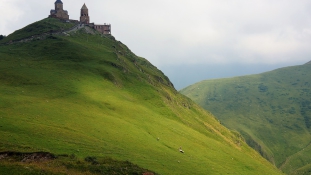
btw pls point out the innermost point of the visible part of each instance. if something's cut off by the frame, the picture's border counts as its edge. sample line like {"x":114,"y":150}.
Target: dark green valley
{"x":271,"y":110}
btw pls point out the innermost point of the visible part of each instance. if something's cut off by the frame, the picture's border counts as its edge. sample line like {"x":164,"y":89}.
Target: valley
{"x":271,"y":110}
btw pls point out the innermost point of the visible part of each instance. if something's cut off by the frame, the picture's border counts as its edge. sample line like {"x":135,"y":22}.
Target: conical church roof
{"x":58,"y":2}
{"x":84,"y":7}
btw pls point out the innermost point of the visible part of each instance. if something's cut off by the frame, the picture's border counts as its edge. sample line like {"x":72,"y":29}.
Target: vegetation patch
{"x":12,"y":163}
{"x":2,"y":37}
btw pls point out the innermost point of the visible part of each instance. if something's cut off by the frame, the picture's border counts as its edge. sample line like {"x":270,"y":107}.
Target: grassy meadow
{"x":90,"y":96}
{"x":271,"y":110}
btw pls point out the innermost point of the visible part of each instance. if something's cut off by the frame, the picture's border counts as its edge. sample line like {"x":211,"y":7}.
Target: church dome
{"x":58,"y":2}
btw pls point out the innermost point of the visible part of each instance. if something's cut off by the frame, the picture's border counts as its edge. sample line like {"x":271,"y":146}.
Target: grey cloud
{"x":191,"y":32}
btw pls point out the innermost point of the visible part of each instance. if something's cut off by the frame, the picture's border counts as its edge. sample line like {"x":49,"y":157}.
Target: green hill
{"x":271,"y":110}
{"x":88,"y":96}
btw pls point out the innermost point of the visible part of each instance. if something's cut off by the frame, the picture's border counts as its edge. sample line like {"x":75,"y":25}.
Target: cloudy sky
{"x":192,"y":40}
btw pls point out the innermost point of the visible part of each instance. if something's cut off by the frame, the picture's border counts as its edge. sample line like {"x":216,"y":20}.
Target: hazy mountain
{"x":271,"y":110}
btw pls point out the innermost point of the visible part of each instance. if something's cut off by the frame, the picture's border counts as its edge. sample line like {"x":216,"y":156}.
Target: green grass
{"x":271,"y":110}
{"x":89,"y":95}
{"x":48,"y":25}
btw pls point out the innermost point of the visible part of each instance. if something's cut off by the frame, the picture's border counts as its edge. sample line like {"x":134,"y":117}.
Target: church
{"x":62,"y":14}
{"x":59,"y":12}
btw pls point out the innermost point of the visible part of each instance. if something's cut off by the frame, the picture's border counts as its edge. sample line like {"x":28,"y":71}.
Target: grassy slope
{"x":271,"y":110}
{"x":47,"y":26}
{"x":91,"y":96}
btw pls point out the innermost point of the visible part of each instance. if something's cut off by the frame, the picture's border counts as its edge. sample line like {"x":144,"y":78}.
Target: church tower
{"x":84,"y":18}
{"x":59,"y":5}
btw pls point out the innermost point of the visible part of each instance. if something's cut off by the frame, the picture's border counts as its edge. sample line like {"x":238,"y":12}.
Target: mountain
{"x":271,"y":110}
{"x":69,"y":92}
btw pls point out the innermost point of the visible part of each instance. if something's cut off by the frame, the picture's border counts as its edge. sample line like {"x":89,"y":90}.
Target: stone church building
{"x":60,"y":13}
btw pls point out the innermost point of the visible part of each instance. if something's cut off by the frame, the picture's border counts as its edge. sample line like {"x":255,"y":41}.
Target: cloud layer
{"x":191,"y":32}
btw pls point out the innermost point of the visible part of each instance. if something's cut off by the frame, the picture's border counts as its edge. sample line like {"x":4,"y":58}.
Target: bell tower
{"x":84,"y":17}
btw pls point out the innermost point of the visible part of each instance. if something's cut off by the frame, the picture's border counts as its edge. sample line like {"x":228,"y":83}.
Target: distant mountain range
{"x":271,"y":110}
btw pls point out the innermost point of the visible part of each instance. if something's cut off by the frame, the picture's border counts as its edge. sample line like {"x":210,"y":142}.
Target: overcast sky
{"x":192,"y":40}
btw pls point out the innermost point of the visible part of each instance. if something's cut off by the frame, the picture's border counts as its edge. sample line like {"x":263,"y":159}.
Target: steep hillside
{"x":271,"y":110}
{"x":87,"y":95}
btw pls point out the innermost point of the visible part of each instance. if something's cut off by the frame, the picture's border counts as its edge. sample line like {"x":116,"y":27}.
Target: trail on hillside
{"x":60,"y":32}
{"x":289,"y":157}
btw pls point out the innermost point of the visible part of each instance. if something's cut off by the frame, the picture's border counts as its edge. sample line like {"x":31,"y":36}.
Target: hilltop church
{"x":60,"y":13}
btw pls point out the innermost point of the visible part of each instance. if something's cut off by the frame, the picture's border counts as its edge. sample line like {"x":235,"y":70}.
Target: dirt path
{"x":45,"y":35}
{"x":75,"y":28}
{"x":288,"y":158}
